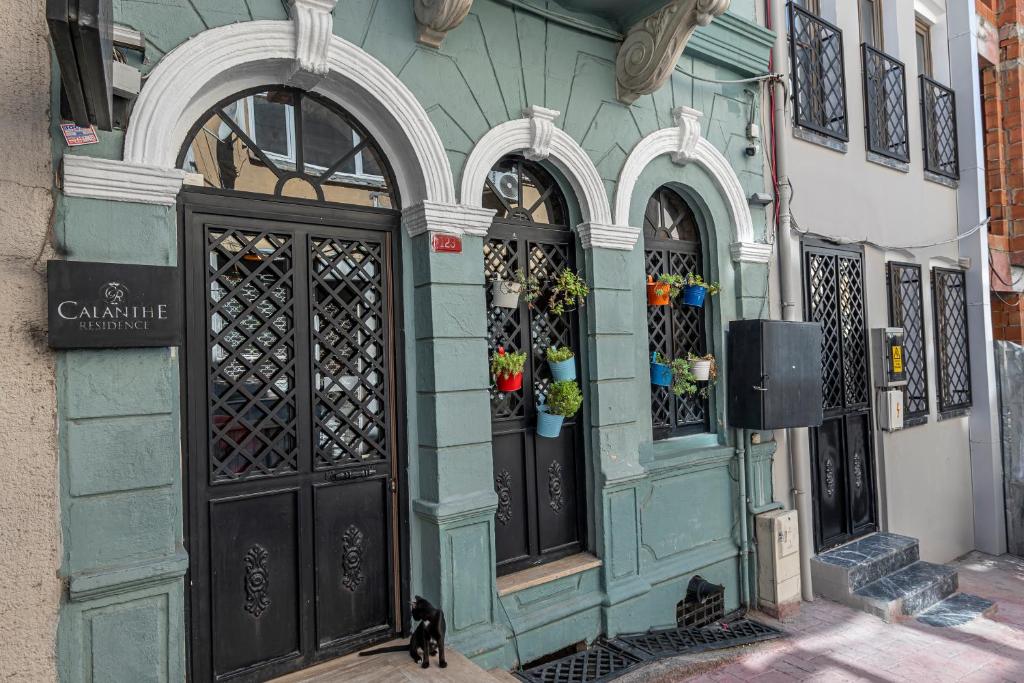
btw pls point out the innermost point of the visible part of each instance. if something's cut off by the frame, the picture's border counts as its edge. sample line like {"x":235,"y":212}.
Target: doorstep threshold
{"x":546,"y":573}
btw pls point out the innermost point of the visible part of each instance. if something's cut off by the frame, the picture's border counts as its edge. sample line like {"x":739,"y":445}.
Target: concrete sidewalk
{"x":831,"y":642}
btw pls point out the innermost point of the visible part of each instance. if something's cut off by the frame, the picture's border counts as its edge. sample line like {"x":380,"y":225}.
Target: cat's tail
{"x":384,"y":650}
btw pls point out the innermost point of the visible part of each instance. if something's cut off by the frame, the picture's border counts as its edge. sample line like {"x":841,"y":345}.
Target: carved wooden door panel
{"x":291,"y":399}
{"x":842,"y":456}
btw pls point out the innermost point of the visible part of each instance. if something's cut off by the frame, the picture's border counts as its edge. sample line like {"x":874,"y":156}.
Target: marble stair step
{"x":908,"y":591}
{"x":839,"y":573}
{"x":957,"y":610}
{"x":503,"y":676}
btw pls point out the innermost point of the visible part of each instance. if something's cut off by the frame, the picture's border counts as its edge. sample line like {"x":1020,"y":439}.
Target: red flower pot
{"x":509,"y":383}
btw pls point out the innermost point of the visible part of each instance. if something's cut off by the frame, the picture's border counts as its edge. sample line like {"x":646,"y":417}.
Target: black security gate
{"x":538,"y":480}
{"x":292,"y":443}
{"x":842,"y":457}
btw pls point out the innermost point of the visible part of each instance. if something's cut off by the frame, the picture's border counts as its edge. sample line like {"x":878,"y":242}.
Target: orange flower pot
{"x":657,"y":292}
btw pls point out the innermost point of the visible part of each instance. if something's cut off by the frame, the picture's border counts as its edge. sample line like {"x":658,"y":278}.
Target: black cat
{"x":428,"y":638}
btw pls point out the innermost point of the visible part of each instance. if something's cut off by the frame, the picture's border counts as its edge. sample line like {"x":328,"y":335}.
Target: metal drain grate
{"x":676,"y":641}
{"x":601,"y":662}
{"x":607,"y":660}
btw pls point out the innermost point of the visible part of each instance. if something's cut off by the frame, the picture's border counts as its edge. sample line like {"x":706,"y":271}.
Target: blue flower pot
{"x":693,"y":295}
{"x":564,"y":370}
{"x":549,"y":426}
{"x":661,"y":374}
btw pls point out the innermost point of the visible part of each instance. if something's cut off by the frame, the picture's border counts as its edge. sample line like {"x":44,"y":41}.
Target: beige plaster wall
{"x":29,"y":521}
{"x":924,"y":478}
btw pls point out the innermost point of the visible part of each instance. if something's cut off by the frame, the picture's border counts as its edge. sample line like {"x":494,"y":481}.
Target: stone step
{"x":503,"y":676}
{"x":906,"y":592}
{"x":838,"y":573}
{"x":957,"y":610}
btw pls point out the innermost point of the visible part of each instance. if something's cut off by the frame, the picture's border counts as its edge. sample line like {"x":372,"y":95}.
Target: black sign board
{"x":113,"y":305}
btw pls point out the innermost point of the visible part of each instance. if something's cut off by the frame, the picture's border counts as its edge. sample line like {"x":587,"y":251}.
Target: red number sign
{"x":444,"y":243}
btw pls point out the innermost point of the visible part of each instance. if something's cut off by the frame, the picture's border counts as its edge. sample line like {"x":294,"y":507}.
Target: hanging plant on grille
{"x":705,"y":369}
{"x":683,"y":380}
{"x":695,"y":290}
{"x":507,"y":369}
{"x":568,"y":292}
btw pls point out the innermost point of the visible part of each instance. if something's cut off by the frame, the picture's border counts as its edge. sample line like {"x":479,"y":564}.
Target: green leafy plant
{"x":507,"y":364}
{"x":558,"y":354}
{"x":564,"y":398}
{"x":531,"y":287}
{"x":675,"y":283}
{"x":683,"y":381}
{"x":567,"y":292}
{"x":695,"y":280}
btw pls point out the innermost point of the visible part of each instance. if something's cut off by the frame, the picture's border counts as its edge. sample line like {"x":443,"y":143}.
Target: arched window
{"x":539,"y":481}
{"x":672,"y":245}
{"x":287,"y":143}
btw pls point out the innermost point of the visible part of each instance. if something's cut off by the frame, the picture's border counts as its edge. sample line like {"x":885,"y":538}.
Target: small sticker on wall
{"x":76,"y":135}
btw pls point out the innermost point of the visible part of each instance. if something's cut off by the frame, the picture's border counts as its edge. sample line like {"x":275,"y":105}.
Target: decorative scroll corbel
{"x":314,"y":26}
{"x":688,"y":121}
{"x":653,"y":45}
{"x":436,"y":18}
{"x":542,"y":131}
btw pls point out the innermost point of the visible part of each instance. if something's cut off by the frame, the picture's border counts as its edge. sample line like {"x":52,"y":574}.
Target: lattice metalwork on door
{"x":885,"y":92}
{"x":949,"y":295}
{"x":672,"y":246}
{"x":938,"y":115}
{"x":350,"y":355}
{"x":251,"y":362}
{"x":835,"y":298}
{"x":906,"y":310}
{"x":819,"y":78}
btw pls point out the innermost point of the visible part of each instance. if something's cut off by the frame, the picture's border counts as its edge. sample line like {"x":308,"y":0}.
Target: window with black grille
{"x":953,"y":358}
{"x":819,"y":78}
{"x":539,"y":481}
{"x":885,"y":104}
{"x":938,"y":116}
{"x":672,"y":246}
{"x":906,"y":310}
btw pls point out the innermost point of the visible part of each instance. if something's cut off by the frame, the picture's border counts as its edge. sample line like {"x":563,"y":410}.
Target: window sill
{"x":915,"y":421}
{"x":953,"y":414}
{"x":941,"y":180}
{"x":683,"y":451}
{"x":546,"y":573}
{"x":894,"y":164}
{"x":819,"y":139}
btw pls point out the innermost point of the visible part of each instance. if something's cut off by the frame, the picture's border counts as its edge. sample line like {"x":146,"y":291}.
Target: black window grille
{"x":949,"y":299}
{"x":538,"y":480}
{"x":819,"y":78}
{"x":885,"y":104}
{"x":672,"y":246}
{"x":938,"y":114}
{"x":906,"y":310}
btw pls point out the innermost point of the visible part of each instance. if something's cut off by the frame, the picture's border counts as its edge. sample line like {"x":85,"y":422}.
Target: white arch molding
{"x":686,"y":144}
{"x":536,"y":136}
{"x":220,"y":62}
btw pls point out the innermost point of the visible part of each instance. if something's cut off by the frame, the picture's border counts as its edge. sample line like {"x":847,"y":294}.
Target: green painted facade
{"x":658,"y":512}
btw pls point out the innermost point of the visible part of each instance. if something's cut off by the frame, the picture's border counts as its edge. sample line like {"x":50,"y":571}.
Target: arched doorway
{"x":293,"y":392}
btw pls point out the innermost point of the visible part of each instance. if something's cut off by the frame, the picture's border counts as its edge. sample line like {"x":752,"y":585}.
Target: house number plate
{"x":445,"y":243}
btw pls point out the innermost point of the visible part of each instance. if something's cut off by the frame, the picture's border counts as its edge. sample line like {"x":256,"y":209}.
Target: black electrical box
{"x":774,"y":370}
{"x":82,"y":34}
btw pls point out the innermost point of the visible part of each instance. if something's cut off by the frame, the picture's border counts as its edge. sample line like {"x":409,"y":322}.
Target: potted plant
{"x":507,"y":293}
{"x":705,"y":369}
{"x":562,"y":362}
{"x":563,"y":399}
{"x":507,"y":369}
{"x":568,"y":292}
{"x":696,"y":289}
{"x":666,"y":288}
{"x":676,"y":374}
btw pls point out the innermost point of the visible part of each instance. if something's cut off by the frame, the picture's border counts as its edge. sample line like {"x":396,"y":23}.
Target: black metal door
{"x":842,"y":457}
{"x":292,"y":442}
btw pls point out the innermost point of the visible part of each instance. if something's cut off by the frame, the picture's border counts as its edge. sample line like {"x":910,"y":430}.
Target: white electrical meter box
{"x":887,"y":348}
{"x":890,"y":410}
{"x":778,"y":563}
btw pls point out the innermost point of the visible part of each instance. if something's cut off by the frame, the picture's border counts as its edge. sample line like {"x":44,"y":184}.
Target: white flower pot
{"x":701,"y":370}
{"x":505,"y":293}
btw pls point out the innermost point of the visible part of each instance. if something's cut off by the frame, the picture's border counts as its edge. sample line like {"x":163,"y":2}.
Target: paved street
{"x":831,"y":642}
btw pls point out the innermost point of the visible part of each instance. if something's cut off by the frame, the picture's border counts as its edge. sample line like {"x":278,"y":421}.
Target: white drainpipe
{"x":797,"y":440}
